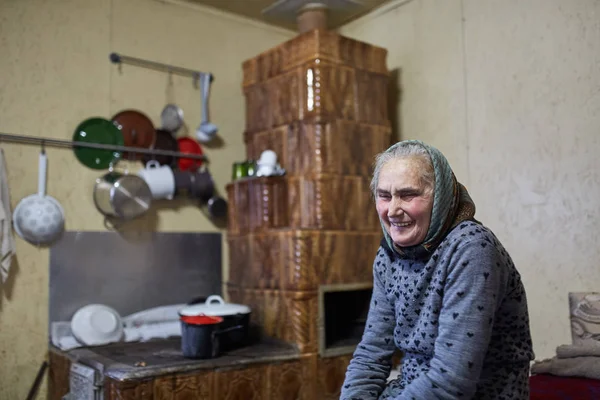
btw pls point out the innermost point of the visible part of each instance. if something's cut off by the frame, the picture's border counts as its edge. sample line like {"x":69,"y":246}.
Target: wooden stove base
{"x":301,"y":260}
{"x":308,"y":378}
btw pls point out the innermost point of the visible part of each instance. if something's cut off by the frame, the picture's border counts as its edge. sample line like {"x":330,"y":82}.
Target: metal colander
{"x":39,"y":219}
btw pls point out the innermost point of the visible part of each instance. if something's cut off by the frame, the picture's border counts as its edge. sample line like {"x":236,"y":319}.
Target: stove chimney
{"x":311,"y":14}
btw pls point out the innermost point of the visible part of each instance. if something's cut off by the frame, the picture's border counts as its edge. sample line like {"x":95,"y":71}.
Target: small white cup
{"x":160,"y":179}
{"x":268,"y":157}
{"x":267,"y":163}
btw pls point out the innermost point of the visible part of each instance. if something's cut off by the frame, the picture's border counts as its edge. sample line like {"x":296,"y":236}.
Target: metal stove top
{"x":124,"y":361}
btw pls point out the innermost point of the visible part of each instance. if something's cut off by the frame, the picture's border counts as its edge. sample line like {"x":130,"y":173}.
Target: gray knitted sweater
{"x":459,"y":317}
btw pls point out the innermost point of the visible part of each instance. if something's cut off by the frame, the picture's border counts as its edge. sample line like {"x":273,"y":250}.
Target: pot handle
{"x":112,"y":224}
{"x":152,"y":164}
{"x":232,"y":328}
{"x":215,"y":298}
{"x":42,"y":168}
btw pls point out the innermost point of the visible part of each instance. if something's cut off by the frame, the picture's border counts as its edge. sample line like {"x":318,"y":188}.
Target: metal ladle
{"x":206,"y":131}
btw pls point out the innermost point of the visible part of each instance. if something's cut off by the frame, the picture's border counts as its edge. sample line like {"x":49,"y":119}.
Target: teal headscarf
{"x":451,"y":202}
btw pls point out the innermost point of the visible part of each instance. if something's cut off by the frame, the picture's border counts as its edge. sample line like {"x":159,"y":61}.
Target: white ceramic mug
{"x":267,"y":163}
{"x":160,"y":179}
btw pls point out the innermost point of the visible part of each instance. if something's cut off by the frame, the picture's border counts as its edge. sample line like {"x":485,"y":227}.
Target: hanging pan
{"x":137,"y":130}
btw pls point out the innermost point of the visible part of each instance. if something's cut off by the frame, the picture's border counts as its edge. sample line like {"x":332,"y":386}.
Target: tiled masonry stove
{"x":301,"y":246}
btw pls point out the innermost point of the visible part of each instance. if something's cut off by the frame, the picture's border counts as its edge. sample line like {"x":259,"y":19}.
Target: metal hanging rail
{"x":116,"y":58}
{"x":36,"y":140}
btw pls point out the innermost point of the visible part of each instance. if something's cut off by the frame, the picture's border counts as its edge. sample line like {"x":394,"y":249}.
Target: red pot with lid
{"x":235,"y":324}
{"x":200,"y":336}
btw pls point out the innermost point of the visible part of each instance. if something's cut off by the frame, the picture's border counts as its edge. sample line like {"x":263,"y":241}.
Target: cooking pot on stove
{"x":201,"y":336}
{"x":234,"y":315}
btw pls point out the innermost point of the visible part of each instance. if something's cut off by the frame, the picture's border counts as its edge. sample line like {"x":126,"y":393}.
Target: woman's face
{"x":403,"y":201}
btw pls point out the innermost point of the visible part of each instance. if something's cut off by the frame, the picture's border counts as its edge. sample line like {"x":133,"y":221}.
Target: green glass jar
{"x":251,"y":167}
{"x":240,"y":171}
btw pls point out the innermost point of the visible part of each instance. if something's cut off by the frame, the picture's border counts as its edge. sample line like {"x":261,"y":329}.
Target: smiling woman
{"x":404,"y":200}
{"x":445,"y":292}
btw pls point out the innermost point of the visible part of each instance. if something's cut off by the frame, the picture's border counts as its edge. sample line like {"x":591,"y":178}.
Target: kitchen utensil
{"x":137,"y":130}
{"x":198,"y":184}
{"x":160,"y":179}
{"x":183,"y":182}
{"x":201,"y":336}
{"x":38,"y":218}
{"x":100,"y":131}
{"x":188,"y":145}
{"x":157,"y":330}
{"x":206,"y":131}
{"x":217,"y":207}
{"x":123,"y":196}
{"x":198,"y":338}
{"x":97,"y":324}
{"x":164,"y":141}
{"x":202,"y":185}
{"x":154,"y":315}
{"x":233,"y":315}
{"x":171,"y":118}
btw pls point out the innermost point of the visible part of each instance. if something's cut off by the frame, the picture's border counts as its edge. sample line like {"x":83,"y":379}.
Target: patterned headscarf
{"x":451,"y":203}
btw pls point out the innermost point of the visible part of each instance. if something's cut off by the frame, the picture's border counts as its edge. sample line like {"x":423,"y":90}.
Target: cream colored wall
{"x":425,"y":52}
{"x":510,"y":92}
{"x":55,"y":73}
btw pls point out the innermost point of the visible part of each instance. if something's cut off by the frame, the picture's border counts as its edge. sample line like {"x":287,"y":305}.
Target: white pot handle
{"x":152,"y":164}
{"x":214,"y":298}
{"x":43,"y":166}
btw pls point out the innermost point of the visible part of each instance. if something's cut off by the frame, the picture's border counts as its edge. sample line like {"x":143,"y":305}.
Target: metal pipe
{"x":118,"y":58}
{"x":70,"y":144}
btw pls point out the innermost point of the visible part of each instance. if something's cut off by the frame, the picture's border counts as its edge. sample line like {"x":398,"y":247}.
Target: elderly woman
{"x":445,"y":292}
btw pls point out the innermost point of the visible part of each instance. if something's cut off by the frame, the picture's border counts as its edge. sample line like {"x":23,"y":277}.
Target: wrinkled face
{"x":404,"y":203}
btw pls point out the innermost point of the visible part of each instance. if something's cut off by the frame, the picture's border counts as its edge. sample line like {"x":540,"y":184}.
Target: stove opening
{"x":343,"y":310}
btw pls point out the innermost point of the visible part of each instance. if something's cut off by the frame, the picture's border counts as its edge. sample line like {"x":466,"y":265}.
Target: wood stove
{"x":301,"y":246}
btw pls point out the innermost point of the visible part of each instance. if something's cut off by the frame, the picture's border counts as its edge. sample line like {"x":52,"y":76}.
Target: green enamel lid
{"x":101,"y":131}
